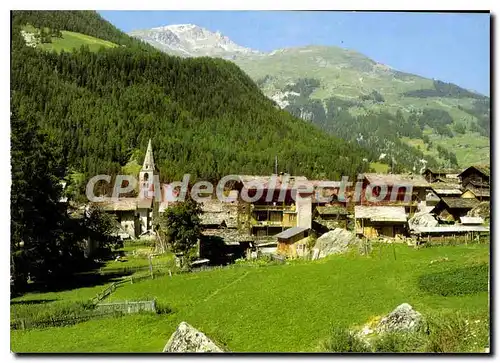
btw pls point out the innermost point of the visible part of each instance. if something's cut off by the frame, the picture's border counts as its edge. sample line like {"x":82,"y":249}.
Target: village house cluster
{"x":442,"y":203}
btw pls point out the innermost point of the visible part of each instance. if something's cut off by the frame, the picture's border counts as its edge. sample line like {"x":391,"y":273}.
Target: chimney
{"x":280,"y":177}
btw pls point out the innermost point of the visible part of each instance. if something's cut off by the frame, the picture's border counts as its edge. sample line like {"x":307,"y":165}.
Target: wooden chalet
{"x":375,"y":221}
{"x":446,"y":190}
{"x":440,"y":175}
{"x":134,"y":215}
{"x":216,"y":214}
{"x":440,"y":232}
{"x":475,"y":176}
{"x":402,"y":190}
{"x":293,"y":242}
{"x":454,"y":208}
{"x":268,"y":215}
{"x":331,"y":216}
{"x":431,"y":199}
{"x":481,"y":194}
{"x":398,"y":184}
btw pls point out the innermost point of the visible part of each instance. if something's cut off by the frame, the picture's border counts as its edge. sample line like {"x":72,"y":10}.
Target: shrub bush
{"x":462,"y":281}
{"x":457,"y":333}
{"x":342,"y":340}
{"x":451,"y":333}
{"x":398,"y":343}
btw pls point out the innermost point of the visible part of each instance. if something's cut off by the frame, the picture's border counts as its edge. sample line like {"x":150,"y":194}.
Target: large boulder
{"x":335,"y":241}
{"x":187,"y":339}
{"x":422,"y":219}
{"x":481,"y":210}
{"x":401,"y":319}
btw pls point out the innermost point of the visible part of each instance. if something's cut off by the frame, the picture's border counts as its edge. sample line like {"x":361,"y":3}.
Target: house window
{"x":275,"y":217}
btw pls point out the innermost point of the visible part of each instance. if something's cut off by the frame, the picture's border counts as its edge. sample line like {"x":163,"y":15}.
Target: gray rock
{"x":334,"y":242}
{"x":422,"y":219}
{"x":187,"y":339}
{"x":401,"y":319}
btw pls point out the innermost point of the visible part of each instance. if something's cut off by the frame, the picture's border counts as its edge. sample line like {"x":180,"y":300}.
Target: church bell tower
{"x":147,"y":173}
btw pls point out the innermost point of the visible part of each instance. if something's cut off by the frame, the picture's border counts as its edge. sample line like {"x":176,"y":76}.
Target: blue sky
{"x":449,"y":47}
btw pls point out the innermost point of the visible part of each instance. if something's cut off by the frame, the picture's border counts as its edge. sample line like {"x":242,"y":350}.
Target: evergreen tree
{"x":180,"y":224}
{"x":205,"y":116}
{"x":38,"y":243}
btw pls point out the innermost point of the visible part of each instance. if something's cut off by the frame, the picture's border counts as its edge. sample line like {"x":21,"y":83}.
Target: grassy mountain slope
{"x":65,"y":41}
{"x":205,"y":116}
{"x":80,"y":21}
{"x":350,"y":76}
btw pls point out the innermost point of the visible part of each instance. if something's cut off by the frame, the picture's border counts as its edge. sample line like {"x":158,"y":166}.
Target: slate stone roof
{"x":460,"y":203}
{"x":397,"y":179}
{"x":443,"y":171}
{"x":380,"y":213}
{"x":123,"y":204}
{"x":290,"y":232}
{"x":332,"y":210}
{"x":215,"y":212}
{"x":483,"y":169}
{"x":446,"y":189}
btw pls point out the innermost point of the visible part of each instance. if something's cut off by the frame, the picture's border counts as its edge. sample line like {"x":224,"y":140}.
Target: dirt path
{"x":225,"y":287}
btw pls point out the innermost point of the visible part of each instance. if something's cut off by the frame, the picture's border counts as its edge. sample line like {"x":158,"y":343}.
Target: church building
{"x":135,"y":215}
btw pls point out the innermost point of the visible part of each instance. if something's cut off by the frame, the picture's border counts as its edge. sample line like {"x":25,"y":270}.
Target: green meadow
{"x":275,"y":308}
{"x":71,"y":40}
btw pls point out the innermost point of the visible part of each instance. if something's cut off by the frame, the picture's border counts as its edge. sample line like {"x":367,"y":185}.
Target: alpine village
{"x":310,"y":263}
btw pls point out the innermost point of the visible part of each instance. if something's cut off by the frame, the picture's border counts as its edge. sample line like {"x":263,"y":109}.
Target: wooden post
{"x":151,"y":267}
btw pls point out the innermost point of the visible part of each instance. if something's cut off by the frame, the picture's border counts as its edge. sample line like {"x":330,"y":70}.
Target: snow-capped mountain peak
{"x":191,"y":40}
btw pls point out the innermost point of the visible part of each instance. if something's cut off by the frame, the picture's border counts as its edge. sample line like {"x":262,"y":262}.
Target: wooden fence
{"x":100,"y":310}
{"x":22,"y":324}
{"x":127,"y":307}
{"x":132,"y":279}
{"x":279,"y":258}
{"x":106,"y":292}
{"x":124,"y":270}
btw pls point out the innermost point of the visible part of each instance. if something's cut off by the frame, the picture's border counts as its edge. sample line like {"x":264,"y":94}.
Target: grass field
{"x":278,"y":308}
{"x":72,"y":40}
{"x":379,"y":167}
{"x":470,"y":149}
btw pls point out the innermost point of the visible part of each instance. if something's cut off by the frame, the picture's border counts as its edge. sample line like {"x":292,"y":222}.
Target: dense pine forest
{"x":204,"y":116}
{"x":76,"y":113}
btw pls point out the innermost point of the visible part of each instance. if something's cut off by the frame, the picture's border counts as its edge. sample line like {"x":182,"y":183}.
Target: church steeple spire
{"x":147,"y":173}
{"x":149,"y":163}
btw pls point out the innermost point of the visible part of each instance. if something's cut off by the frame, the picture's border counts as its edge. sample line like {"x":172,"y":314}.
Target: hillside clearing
{"x":71,"y":40}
